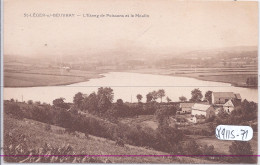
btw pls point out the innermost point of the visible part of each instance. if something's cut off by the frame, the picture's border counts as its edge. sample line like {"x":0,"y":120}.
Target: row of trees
{"x":196,"y":96}
{"x":103,"y":99}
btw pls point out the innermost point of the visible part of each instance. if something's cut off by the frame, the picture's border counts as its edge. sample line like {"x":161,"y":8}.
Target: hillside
{"x":37,"y":136}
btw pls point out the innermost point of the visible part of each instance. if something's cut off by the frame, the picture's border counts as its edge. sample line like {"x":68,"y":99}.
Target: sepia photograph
{"x":130,"y":82}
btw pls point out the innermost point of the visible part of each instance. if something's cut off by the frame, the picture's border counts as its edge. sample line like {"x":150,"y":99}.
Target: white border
{"x":1,"y":89}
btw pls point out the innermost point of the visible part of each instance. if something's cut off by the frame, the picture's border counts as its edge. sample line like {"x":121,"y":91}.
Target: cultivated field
{"x":234,"y":76}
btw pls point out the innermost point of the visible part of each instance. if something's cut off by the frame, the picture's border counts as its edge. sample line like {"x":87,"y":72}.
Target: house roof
{"x":186,"y":105}
{"x":189,"y":104}
{"x":224,"y":94}
{"x":201,"y":107}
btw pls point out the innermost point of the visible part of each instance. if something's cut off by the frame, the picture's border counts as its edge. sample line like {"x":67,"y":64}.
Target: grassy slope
{"x":37,"y":136}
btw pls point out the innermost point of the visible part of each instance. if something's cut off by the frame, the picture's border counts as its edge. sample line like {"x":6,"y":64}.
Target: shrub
{"x":241,"y":148}
{"x":14,"y":110}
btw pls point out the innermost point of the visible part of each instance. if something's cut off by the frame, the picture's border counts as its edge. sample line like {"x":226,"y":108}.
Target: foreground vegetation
{"x":25,"y":137}
{"x":97,"y":115}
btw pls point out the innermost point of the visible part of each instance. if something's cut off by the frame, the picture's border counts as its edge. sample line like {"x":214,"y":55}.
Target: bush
{"x":241,"y":148}
{"x":14,"y":110}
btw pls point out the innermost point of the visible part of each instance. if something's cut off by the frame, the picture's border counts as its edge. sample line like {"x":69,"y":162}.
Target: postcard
{"x":132,"y":81}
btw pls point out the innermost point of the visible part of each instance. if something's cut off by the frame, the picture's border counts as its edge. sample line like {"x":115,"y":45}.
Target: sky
{"x":172,"y":26}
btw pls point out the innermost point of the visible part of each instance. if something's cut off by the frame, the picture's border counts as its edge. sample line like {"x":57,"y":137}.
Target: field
{"x":28,"y":74}
{"x":38,"y":136}
{"x":143,"y":120}
{"x":234,"y":76}
{"x":46,"y":77}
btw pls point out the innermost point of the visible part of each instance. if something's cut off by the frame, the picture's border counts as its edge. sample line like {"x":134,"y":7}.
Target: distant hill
{"x":115,"y":57}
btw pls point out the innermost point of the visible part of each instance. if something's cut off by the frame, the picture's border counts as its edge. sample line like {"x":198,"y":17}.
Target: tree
{"x":105,"y":98}
{"x":154,"y":95}
{"x":208,"y":96}
{"x":30,"y":102}
{"x":196,"y":95}
{"x":168,"y":99}
{"x":106,"y":92}
{"x":119,"y":102}
{"x":90,"y":103}
{"x":78,"y":98}
{"x":161,"y":93}
{"x":162,"y":116}
{"x":103,"y":104}
{"x":182,"y":98}
{"x":241,"y":148}
{"x":139,"y":97}
{"x":149,"y":97}
{"x":60,"y":103}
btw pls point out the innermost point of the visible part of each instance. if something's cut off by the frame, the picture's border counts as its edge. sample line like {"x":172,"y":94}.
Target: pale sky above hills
{"x":172,"y":26}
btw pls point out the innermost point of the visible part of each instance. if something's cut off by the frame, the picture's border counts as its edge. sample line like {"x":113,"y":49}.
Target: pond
{"x":126,"y":86}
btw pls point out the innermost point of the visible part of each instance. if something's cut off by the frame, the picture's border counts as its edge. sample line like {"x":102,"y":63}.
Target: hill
{"x":37,"y":136}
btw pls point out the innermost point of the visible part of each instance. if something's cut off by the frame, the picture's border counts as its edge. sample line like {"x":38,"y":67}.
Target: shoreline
{"x":195,"y":77}
{"x":99,"y":75}
{"x":54,"y":84}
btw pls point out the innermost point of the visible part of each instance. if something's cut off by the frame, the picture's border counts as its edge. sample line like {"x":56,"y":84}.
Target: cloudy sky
{"x":171,"y":26}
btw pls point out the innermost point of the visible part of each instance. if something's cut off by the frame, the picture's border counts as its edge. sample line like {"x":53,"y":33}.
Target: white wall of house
{"x":228,"y":109}
{"x":198,"y":112}
{"x":186,"y":110}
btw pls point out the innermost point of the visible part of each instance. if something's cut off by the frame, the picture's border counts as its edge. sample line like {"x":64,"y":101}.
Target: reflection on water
{"x":126,"y":86}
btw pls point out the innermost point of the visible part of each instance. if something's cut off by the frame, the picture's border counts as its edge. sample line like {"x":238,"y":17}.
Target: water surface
{"x":126,"y":86}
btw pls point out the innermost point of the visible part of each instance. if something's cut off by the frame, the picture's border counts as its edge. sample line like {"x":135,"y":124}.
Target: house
{"x":230,"y":105}
{"x":202,"y":109}
{"x":186,"y":107}
{"x":223,"y":97}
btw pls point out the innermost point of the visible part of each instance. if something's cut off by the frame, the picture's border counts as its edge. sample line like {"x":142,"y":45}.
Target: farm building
{"x":223,"y":97}
{"x":202,"y":109}
{"x":185,"y":107}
